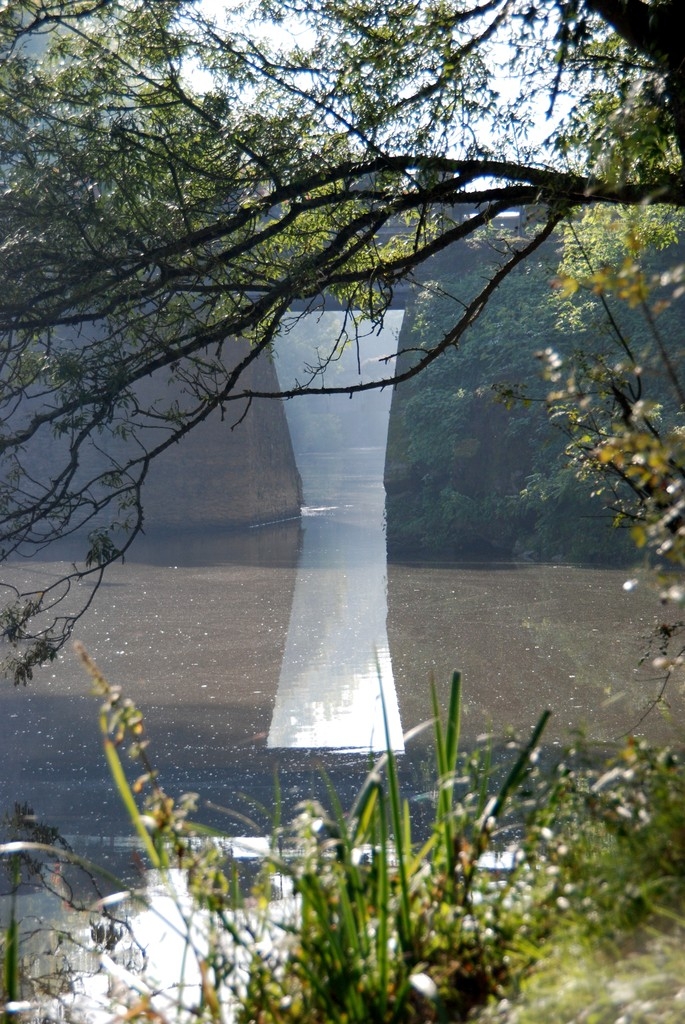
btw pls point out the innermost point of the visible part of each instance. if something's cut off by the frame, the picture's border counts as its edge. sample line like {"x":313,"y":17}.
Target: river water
{"x":272,"y":653}
{"x":294,"y":649}
{"x":274,"y":649}
{"x":295,"y":652}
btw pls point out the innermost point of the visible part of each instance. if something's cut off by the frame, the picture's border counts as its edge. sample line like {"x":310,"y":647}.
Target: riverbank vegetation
{"x":482,"y":460}
{"x":542,"y":890}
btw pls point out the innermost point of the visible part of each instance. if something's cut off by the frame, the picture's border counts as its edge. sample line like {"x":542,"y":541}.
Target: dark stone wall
{"x":225,"y":472}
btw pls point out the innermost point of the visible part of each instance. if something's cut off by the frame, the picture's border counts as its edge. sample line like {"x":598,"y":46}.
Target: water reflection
{"x":336,"y":687}
{"x":264,"y":653}
{"x":336,"y":676}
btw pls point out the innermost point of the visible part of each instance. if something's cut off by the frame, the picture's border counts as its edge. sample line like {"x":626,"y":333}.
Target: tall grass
{"x":385,"y":928}
{"x":376,"y":925}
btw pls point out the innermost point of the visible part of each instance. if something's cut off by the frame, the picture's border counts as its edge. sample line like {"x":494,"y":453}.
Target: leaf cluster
{"x":173,"y":180}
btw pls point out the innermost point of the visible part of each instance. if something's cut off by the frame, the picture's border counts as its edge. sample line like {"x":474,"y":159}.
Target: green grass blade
{"x":446,"y":755}
{"x":121,"y":783}
{"x":484,"y":774}
{"x":11,"y":981}
{"x":453,"y":723}
{"x":396,"y":816}
{"x":383,"y":912}
{"x":10,"y":974}
{"x":367,"y":811}
{"x":513,"y":779}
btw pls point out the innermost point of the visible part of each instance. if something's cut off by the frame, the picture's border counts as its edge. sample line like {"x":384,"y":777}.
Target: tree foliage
{"x":172,"y":181}
{"x":474,"y":467}
{"x":621,"y":398}
{"x":466,"y":477}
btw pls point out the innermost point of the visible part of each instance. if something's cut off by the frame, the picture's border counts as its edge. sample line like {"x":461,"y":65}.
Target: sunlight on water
{"x":336,"y":673}
{"x":336,"y":687}
{"x":342,"y":710}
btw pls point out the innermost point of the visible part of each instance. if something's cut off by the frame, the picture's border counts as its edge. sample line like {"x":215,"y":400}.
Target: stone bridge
{"x":226,"y":475}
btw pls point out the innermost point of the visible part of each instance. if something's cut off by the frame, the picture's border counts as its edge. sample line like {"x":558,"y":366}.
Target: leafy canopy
{"x":173,"y":180}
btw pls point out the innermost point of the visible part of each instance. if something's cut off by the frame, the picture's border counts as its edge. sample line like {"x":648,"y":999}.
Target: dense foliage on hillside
{"x":476,"y":465}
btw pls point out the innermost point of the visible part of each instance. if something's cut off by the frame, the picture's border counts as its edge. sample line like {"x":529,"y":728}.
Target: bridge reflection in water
{"x":336,"y":673}
{"x":336,"y":687}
